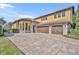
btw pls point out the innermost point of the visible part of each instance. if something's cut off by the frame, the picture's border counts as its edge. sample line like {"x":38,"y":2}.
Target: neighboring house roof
{"x":56,"y":12}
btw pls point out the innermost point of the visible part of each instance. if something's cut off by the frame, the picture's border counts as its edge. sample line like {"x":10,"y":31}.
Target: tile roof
{"x":56,"y":12}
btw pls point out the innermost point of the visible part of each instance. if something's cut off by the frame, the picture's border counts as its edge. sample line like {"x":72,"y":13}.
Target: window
{"x":59,"y":15}
{"x":55,"y":16}
{"x":44,"y":18}
{"x":29,"y":27}
{"x":33,"y":28}
{"x":26,"y":26}
{"x":63,"y":14}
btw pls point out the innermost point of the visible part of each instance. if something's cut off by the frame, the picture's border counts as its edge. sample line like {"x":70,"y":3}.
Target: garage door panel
{"x":43,"y":29}
{"x":57,"y":30}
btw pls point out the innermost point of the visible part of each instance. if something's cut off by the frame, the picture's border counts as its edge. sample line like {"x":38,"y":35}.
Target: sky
{"x":13,"y":11}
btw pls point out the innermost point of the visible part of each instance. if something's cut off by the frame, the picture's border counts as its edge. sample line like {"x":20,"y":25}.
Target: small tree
{"x":76,"y":22}
{"x":7,"y":27}
{"x":2,"y":20}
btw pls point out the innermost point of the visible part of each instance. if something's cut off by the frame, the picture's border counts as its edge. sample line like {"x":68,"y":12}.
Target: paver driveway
{"x":43,"y":44}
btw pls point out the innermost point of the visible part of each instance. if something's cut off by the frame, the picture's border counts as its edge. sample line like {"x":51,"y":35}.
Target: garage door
{"x":57,"y":29}
{"x":43,"y":29}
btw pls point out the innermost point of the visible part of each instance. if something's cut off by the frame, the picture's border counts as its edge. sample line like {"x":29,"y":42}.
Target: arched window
{"x":26,"y":25}
{"x":23,"y":25}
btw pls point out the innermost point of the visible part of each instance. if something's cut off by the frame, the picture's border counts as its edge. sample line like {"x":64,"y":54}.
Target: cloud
{"x":3,"y":14}
{"x":2,"y":5}
{"x":11,"y":14}
{"x":42,"y":9}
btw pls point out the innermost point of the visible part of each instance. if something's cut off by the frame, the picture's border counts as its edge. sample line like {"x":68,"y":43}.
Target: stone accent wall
{"x":66,"y":29}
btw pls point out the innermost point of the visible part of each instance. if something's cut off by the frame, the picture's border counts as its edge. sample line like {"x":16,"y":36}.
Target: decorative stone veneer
{"x":66,"y":29}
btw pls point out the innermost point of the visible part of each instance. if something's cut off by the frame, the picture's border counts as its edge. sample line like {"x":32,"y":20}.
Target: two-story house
{"x":56,"y":22}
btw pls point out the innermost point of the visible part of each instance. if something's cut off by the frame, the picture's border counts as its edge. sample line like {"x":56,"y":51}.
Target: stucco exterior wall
{"x":50,"y":18}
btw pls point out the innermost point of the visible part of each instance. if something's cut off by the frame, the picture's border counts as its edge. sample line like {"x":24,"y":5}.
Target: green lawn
{"x":8,"y":48}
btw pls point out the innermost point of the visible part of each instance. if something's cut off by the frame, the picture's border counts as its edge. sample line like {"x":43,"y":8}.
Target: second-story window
{"x":63,"y":14}
{"x":44,"y":18}
{"x":59,"y":15}
{"x":55,"y":16}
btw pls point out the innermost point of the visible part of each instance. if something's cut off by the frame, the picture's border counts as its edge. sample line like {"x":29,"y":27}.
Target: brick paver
{"x":45,"y":44}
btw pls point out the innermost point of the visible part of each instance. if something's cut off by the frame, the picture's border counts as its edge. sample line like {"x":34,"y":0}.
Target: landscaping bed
{"x":8,"y":48}
{"x":72,"y":36}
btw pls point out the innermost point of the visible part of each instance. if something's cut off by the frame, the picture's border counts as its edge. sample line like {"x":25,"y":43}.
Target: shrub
{"x":15,"y":30}
{"x":1,"y":30}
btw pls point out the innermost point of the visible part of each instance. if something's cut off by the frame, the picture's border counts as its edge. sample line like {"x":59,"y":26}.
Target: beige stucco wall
{"x":50,"y":18}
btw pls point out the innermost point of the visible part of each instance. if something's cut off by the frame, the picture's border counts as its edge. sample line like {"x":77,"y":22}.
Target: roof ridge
{"x":54,"y":12}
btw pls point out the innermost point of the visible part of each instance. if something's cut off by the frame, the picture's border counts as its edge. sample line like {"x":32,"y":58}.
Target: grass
{"x":72,"y":36}
{"x":8,"y":48}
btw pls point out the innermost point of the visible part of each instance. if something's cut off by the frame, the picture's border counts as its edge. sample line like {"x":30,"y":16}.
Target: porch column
{"x":19,"y":27}
{"x":27,"y":27}
{"x":50,"y":29}
{"x":22,"y":27}
{"x":36,"y":28}
{"x":31,"y":28}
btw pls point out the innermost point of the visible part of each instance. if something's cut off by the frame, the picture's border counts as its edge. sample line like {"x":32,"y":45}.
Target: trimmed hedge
{"x":15,"y":30}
